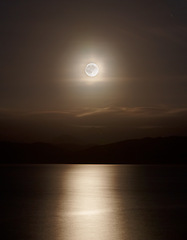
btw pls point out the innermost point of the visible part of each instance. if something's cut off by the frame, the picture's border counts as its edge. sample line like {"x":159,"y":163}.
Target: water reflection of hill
{"x":139,"y":151}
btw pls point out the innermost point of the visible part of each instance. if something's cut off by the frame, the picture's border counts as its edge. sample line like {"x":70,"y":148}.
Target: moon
{"x":91,"y":69}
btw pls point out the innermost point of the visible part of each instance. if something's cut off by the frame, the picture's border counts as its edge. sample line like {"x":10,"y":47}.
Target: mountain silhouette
{"x":162,"y":150}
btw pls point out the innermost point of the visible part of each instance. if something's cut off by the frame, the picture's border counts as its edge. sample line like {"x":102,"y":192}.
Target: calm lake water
{"x":89,"y":202}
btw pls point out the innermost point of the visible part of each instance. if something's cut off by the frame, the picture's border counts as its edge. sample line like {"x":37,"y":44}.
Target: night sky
{"x":139,"y":46}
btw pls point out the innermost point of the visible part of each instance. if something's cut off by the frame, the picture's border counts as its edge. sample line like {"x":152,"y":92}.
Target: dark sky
{"x":141,"y":50}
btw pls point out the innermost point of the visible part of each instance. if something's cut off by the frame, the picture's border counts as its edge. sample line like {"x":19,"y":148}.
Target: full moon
{"x":91,"y":69}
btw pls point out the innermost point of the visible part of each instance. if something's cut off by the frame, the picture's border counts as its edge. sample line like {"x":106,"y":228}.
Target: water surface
{"x":88,"y":202}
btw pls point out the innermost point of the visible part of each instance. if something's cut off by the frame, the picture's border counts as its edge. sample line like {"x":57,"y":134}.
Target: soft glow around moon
{"x":92,"y":69}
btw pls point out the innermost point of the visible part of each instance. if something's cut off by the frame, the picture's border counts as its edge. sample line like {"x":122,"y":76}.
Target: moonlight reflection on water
{"x":105,"y":202}
{"x":92,"y":205}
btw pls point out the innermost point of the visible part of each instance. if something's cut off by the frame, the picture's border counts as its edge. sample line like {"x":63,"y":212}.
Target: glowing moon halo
{"x":91,"y":69}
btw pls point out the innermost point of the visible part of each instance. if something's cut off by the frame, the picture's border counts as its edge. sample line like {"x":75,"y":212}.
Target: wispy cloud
{"x":94,"y":111}
{"x":133,"y":111}
{"x":157,"y":111}
{"x":110,"y":123}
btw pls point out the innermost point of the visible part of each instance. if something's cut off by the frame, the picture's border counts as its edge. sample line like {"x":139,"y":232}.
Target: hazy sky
{"x":141,"y":50}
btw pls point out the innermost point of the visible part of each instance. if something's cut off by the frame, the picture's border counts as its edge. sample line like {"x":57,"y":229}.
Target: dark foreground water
{"x":89,"y":202}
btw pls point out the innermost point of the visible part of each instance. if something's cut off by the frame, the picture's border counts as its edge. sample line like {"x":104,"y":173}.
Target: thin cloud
{"x":88,"y":112}
{"x":134,"y":111}
{"x":94,"y":111}
{"x":178,"y":110}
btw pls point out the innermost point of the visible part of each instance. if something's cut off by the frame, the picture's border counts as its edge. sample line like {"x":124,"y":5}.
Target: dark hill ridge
{"x":163,"y":150}
{"x":147,"y":150}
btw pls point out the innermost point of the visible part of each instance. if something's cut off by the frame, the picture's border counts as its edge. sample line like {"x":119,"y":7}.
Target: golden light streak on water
{"x":91,"y":205}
